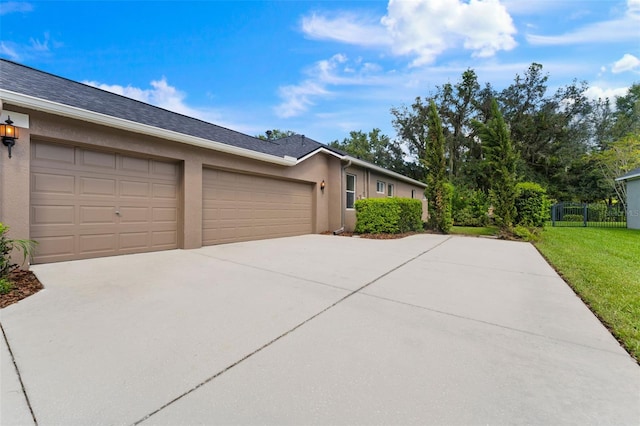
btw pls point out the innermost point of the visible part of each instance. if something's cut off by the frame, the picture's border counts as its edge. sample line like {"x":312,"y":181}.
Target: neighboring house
{"x":632,"y":180}
{"x":97,"y":174}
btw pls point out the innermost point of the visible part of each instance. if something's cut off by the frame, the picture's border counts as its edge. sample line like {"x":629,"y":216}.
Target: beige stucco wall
{"x":366,"y":185}
{"x":15,"y":184}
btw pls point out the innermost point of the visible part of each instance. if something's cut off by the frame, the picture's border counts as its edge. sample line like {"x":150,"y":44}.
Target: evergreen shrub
{"x":532,"y":204}
{"x":388,"y":215}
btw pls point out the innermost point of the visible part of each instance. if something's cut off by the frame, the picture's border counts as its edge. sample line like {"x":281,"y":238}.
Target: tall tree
{"x":501,"y":160}
{"x":439,"y":193}
{"x":458,"y":105}
{"x":275,"y":134}
{"x":374,"y":147}
{"x":621,"y":157}
{"x":412,"y":128}
{"x":627,"y":115}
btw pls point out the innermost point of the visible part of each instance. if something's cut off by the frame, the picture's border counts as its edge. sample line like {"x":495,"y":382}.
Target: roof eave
{"x":630,"y":177}
{"x":361,"y":163}
{"x":56,"y":108}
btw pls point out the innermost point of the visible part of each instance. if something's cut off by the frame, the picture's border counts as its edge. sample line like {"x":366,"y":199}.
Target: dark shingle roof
{"x":29,"y":81}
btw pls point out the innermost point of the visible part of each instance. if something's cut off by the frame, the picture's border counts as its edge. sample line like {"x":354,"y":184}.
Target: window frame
{"x":391,"y":189}
{"x":384,"y":187}
{"x":350,"y":191}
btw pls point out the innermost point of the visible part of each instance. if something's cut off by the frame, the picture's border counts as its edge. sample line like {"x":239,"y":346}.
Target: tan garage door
{"x":87,"y":203}
{"x":240,"y":207}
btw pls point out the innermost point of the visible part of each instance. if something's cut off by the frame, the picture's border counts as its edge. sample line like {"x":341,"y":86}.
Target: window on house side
{"x":413,"y":193}
{"x":351,"y":191}
{"x":380,"y":187}
{"x":391,"y":190}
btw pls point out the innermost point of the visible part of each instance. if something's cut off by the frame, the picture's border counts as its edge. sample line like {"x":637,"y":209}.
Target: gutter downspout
{"x":342,"y":198}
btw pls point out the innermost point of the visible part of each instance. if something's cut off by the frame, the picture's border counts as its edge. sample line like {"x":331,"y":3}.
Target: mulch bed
{"x":25,"y":283}
{"x":375,"y":236}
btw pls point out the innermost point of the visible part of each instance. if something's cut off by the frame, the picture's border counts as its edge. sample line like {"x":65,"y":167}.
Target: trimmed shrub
{"x":532,"y":204}
{"x":410,"y":214}
{"x":388,"y":215}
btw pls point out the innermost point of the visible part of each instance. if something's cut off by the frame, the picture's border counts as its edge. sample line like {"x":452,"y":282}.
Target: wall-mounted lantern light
{"x":322,"y":186}
{"x":9,"y":134}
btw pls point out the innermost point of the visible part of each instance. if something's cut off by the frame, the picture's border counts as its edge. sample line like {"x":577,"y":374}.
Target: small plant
{"x":5,"y":286}
{"x":7,"y":245}
{"x":527,"y":234}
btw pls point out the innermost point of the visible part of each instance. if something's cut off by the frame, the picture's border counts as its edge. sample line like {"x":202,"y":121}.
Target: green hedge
{"x":532,"y":204}
{"x":388,"y":215}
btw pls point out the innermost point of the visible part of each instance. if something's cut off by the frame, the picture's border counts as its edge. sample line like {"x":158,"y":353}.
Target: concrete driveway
{"x":313,"y":330}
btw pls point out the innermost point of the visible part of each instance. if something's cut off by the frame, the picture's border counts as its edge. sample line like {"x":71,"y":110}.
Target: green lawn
{"x":475,"y":230}
{"x":602,"y":265}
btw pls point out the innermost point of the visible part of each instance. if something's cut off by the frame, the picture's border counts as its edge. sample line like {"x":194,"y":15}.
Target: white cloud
{"x":163,"y":95}
{"x":345,"y":28}
{"x":423,"y":28}
{"x":298,"y":98}
{"x":14,"y":6}
{"x":40,"y":46}
{"x":624,"y":28}
{"x":335,"y":71}
{"x":596,"y":92}
{"x":8,"y":49}
{"x":627,"y":63}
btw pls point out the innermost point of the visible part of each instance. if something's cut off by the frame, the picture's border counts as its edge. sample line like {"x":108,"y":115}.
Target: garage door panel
{"x":135,"y":189}
{"x":74,"y":200}
{"x":135,"y":215}
{"x":48,"y":183}
{"x":52,"y":215}
{"x":97,"y":159}
{"x":60,"y":247}
{"x":104,"y":187}
{"x":134,"y":240}
{"x":165,"y":191}
{"x":165,"y":214}
{"x":241,"y":207}
{"x":52,"y":155}
{"x":97,"y":215}
{"x":135,"y":164}
{"x":165,"y":169}
{"x":164,"y":239}
{"x":98,"y":243}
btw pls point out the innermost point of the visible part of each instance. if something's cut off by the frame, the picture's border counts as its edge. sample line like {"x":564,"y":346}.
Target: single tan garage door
{"x":241,"y":207}
{"x":87,"y":203}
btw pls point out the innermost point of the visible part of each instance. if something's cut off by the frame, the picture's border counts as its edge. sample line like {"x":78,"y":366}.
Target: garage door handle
{"x":118,"y":212}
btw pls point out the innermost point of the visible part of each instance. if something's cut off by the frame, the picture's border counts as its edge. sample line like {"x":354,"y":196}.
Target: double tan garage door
{"x":87,"y":203}
{"x":242,"y":207}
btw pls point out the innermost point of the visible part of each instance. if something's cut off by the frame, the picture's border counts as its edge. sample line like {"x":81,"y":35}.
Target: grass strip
{"x":602,"y":265}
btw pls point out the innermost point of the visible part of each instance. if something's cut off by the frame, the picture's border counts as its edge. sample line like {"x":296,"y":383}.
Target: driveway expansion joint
{"x":15,"y":365}
{"x":258,"y":268}
{"x":493,"y":324}
{"x":286,"y":333}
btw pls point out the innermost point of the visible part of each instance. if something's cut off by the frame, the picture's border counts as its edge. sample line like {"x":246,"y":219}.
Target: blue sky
{"x":319,"y":68}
